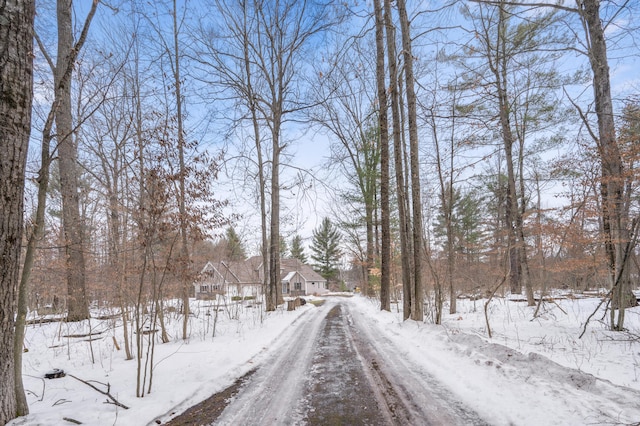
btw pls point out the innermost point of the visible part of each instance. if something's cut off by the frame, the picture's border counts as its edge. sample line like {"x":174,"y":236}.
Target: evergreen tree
{"x":283,"y":248}
{"x":325,"y":249}
{"x":466,"y":221}
{"x":297,"y":250}
{"x":235,"y":249}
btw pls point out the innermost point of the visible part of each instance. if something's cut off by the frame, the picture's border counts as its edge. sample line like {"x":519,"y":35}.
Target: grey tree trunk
{"x":185,"y":259}
{"x":253,"y":108}
{"x":398,"y":151}
{"x":522,"y":207}
{"x":16,"y":92}
{"x":615,"y":222}
{"x":73,"y":226}
{"x":385,"y":257}
{"x":37,"y":232}
{"x":417,"y":307}
{"x":274,"y":290}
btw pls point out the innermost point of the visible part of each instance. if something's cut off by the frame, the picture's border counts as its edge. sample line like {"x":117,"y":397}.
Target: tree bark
{"x":614,"y":221}
{"x":385,"y":258}
{"x":73,"y":225}
{"x":185,"y":259}
{"x":253,"y":109}
{"x":398,"y":151}
{"x":274,"y":253}
{"x":16,"y":93}
{"x":417,"y":307}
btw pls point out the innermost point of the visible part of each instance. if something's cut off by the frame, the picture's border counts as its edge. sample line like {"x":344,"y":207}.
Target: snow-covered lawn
{"x":555,"y":334}
{"x":530,"y":372}
{"x":185,"y":372}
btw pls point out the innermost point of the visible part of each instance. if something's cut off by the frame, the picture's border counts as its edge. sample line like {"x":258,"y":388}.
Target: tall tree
{"x":385,"y":252}
{"x":445,"y":134}
{"x":16,"y":93}
{"x":615,"y":219}
{"x":589,"y":30}
{"x":174,"y":51}
{"x":325,"y":249}
{"x":297,"y":249}
{"x":73,"y":225}
{"x":399,"y":150}
{"x":417,"y":306}
{"x":516,"y":57}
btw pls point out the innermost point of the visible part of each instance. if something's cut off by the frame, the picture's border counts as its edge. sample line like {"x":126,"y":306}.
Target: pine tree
{"x":283,"y":248}
{"x":466,"y":218}
{"x":297,"y":250}
{"x":235,"y":249}
{"x":325,"y":249}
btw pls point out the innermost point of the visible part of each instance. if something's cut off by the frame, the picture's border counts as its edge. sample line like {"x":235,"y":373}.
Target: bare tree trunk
{"x":398,"y":151}
{"x":405,"y":185}
{"x":253,"y":108}
{"x":385,"y":261}
{"x":417,"y":308}
{"x":37,"y":232}
{"x":499,"y":69}
{"x":447,"y":200}
{"x":451,"y":258}
{"x":275,"y":291}
{"x":73,"y":226}
{"x":615,"y":223}
{"x":524,"y":262}
{"x":16,"y":89}
{"x":124,"y":305}
{"x":185,"y":259}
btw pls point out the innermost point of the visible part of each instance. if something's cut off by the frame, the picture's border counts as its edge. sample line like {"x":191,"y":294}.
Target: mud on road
{"x":333,"y":370}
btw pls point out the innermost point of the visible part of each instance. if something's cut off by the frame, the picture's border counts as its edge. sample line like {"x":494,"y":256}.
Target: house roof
{"x":289,"y":276}
{"x":249,"y":271}
{"x":243,"y":272}
{"x":294,"y":265}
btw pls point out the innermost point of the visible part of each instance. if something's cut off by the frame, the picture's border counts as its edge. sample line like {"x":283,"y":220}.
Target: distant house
{"x":210,"y":282}
{"x":238,"y":278}
{"x":299,"y":279}
{"x":245,"y":278}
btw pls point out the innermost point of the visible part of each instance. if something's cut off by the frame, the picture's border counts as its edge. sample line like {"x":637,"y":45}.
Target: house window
{"x":204,"y":289}
{"x":297,"y":286}
{"x":285,"y":288}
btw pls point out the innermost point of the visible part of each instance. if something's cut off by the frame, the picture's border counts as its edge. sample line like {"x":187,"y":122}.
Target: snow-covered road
{"x":335,"y":368}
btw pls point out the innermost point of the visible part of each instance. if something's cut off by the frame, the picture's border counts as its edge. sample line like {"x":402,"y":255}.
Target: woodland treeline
{"x":473,"y":147}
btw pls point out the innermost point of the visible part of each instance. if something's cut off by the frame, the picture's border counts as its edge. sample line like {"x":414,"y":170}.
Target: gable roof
{"x":289,"y":276}
{"x":307,"y":272}
{"x":249,"y":271}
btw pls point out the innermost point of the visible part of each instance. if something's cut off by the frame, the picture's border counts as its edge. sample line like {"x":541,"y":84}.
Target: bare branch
{"x":107,"y":393}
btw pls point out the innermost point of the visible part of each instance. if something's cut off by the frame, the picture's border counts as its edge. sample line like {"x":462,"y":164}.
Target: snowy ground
{"x":530,"y":372}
